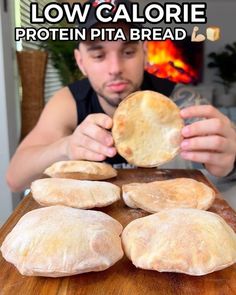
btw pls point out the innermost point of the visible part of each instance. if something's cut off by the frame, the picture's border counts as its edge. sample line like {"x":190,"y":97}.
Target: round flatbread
{"x":191,"y":241}
{"x":147,"y":129}
{"x":83,"y":170}
{"x":167,"y":194}
{"x":61,"y":241}
{"x":83,"y":194}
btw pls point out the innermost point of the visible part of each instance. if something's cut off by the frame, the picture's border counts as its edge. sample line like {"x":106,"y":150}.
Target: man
{"x":76,"y":122}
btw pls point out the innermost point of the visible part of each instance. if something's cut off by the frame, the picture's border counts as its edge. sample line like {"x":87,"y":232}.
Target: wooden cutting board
{"x":123,"y":277}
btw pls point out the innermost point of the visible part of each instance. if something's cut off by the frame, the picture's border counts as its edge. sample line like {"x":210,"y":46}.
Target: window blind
{"x":52,"y":80}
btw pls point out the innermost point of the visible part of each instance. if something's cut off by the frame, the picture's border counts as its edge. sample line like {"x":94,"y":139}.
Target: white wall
{"x":9,"y":108}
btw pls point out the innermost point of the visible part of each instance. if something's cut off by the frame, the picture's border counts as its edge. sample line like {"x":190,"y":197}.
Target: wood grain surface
{"x":123,"y":277}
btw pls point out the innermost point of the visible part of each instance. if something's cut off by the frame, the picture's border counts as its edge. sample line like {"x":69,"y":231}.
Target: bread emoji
{"x":213,"y":33}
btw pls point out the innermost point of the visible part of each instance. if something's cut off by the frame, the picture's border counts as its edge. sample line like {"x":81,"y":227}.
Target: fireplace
{"x":178,"y":61}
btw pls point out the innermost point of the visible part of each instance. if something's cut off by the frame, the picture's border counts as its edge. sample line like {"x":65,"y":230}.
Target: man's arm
{"x":57,"y":137}
{"x":45,"y":144}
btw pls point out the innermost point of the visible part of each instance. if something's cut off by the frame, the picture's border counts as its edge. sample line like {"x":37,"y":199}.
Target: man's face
{"x":114,"y":68}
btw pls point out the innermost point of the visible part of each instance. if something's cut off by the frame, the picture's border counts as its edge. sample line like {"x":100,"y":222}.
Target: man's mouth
{"x":118,"y":86}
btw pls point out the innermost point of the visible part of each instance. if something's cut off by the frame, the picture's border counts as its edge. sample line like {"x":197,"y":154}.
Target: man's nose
{"x":115,"y":66}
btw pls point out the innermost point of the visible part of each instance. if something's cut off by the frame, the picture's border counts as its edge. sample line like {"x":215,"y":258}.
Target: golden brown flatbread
{"x":147,"y":129}
{"x":166,"y":194}
{"x":83,"y":194}
{"x":83,"y":170}
{"x":61,"y":241}
{"x":191,"y":241}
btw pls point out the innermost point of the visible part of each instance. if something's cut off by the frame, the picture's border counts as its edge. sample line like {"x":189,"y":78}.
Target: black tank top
{"x":87,"y":101}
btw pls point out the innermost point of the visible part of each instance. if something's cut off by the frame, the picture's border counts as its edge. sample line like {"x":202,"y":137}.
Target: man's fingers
{"x":210,"y":143}
{"x":91,"y":140}
{"x":201,"y":157}
{"x":100,"y":119}
{"x":202,"y":111}
{"x":94,"y":146}
{"x":85,"y":154}
{"x":206,"y":157}
{"x":218,"y":164}
{"x":207,"y":127}
{"x":93,"y":131}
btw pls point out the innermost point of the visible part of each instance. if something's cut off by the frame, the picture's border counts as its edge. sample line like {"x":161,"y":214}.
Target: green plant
{"x":225,"y":62}
{"x":62,"y":56}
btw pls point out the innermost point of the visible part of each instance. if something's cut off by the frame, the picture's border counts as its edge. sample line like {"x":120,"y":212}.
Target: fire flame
{"x":165,"y":60}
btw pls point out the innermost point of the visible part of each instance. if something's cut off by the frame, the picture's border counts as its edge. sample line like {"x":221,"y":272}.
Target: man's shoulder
{"x":79,"y":83}
{"x":80,"y":88}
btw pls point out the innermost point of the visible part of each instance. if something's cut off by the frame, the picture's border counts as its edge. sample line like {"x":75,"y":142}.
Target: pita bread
{"x":166,"y":194}
{"x":83,"y":170}
{"x":147,"y":129}
{"x":190,"y":241}
{"x":83,"y":194}
{"x":61,"y":241}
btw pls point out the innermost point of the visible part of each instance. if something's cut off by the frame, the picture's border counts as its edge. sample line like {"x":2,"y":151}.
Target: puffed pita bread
{"x":61,"y":241}
{"x":191,"y":241}
{"x":147,"y":129}
{"x":84,"y":170}
{"x":166,"y":194}
{"x":83,"y":194}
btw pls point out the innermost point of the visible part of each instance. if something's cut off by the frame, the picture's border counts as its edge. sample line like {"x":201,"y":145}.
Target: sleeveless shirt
{"x":87,"y":101}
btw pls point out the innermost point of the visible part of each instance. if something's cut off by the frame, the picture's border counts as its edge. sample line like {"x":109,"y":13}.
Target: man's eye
{"x":129,"y":52}
{"x":98,"y":56}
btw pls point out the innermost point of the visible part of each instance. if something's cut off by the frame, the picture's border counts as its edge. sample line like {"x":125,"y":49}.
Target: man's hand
{"x":91,"y":140}
{"x":211,"y":141}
